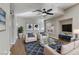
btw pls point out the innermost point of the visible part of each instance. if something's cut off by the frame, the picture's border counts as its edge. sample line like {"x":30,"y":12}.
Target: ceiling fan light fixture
{"x":44,"y":14}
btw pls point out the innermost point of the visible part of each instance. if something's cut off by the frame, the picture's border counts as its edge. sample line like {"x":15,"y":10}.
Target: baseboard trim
{"x":9,"y":52}
{"x":5,"y":53}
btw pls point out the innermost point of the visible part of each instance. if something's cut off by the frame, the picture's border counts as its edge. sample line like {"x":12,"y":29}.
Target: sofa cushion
{"x":67,"y":48}
{"x":74,"y":51}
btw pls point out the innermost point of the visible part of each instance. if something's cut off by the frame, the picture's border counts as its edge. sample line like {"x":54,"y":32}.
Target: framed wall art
{"x":29,"y":26}
{"x":2,"y":20}
{"x":36,"y":27}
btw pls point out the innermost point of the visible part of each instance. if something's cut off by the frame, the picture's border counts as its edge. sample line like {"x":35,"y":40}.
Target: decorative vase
{"x":20,"y":35}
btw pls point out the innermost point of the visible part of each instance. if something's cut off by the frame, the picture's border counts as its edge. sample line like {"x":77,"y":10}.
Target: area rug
{"x":34,"y":48}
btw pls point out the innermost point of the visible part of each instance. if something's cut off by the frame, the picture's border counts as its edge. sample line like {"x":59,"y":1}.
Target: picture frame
{"x":29,"y":26}
{"x":50,"y":28}
{"x":2,"y":20}
{"x":36,"y":27}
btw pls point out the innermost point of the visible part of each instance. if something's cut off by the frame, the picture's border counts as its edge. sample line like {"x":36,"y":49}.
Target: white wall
{"x":4,"y":35}
{"x":24,"y":21}
{"x":40,"y":22}
{"x":69,"y":13}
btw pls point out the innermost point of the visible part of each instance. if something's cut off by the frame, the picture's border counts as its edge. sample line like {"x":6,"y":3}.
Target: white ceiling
{"x":24,"y":10}
{"x":24,"y":7}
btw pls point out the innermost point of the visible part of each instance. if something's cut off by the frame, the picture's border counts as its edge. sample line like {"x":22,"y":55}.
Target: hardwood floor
{"x":18,"y":48}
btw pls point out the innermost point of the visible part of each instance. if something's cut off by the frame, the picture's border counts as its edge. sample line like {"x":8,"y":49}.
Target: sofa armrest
{"x":49,"y":51}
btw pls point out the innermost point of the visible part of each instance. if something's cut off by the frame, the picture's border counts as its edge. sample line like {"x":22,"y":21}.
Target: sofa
{"x":30,"y":37}
{"x":68,"y":49}
{"x":65,"y":37}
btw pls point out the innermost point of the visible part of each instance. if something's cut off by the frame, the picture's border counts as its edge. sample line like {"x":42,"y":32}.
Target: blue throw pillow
{"x":31,"y":35}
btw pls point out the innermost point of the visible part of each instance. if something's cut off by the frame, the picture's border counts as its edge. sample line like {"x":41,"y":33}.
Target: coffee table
{"x":55,"y":45}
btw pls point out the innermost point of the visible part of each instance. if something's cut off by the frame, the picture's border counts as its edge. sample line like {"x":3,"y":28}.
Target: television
{"x":67,"y":27}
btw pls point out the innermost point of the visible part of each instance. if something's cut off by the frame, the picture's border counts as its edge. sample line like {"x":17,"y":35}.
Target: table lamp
{"x":76,"y":32}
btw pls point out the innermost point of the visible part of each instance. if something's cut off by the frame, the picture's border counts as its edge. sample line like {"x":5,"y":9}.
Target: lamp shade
{"x":76,"y":31}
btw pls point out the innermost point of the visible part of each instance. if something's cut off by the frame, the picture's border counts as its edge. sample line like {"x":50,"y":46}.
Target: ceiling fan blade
{"x":37,"y":10}
{"x":49,"y":10}
{"x":49,"y":13}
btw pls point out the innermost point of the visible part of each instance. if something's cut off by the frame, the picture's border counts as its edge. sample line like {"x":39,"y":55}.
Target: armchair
{"x":43,"y":38}
{"x":30,"y":37}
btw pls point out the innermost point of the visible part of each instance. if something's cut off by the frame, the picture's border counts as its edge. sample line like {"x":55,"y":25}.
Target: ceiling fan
{"x":44,"y":11}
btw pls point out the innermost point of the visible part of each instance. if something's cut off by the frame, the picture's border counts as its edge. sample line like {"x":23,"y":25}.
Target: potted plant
{"x":20,"y":32}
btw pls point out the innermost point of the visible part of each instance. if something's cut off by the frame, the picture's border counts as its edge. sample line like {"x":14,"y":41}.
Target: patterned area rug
{"x":34,"y":48}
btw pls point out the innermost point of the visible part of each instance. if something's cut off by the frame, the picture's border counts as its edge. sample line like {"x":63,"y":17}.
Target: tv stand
{"x":65,"y":37}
